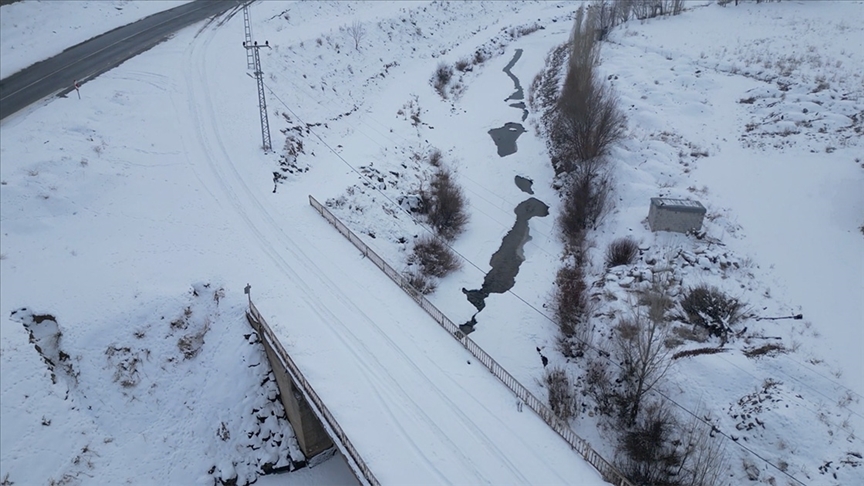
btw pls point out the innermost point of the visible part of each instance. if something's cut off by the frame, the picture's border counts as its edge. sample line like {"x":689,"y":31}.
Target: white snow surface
{"x":113,"y":207}
{"x":33,"y":30}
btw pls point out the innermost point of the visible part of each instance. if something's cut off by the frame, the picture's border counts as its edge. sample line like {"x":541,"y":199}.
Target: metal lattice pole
{"x":262,"y":101}
{"x":247,"y":25}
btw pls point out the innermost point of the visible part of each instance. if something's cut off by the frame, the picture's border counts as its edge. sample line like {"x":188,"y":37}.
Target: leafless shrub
{"x":600,"y":385}
{"x":443,"y":203}
{"x":434,"y":257}
{"x":570,"y":301}
{"x":442,"y":78}
{"x":190,"y":345}
{"x":480,"y":56}
{"x":523,"y":30}
{"x":770,"y":349}
{"x":561,"y":399}
{"x":704,"y":461}
{"x":690,"y":333}
{"x":712,"y":309}
{"x":462,"y":65}
{"x":223,"y":432}
{"x":435,"y":158}
{"x":420,"y":282}
{"x":621,"y":252}
{"x":697,"y":352}
{"x":357,"y":33}
{"x":660,"y":450}
{"x":543,"y":91}
{"x":649,"y":455}
{"x":125,"y":363}
{"x":586,"y":200}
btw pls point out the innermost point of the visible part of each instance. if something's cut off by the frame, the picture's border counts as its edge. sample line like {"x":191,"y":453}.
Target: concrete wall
{"x":311,"y":435}
{"x":681,"y":216}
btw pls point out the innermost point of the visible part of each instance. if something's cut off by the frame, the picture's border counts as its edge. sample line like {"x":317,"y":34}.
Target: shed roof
{"x":683,"y":205}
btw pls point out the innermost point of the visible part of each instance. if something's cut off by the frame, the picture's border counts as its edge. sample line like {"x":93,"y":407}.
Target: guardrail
{"x":354,"y":460}
{"x":609,"y":472}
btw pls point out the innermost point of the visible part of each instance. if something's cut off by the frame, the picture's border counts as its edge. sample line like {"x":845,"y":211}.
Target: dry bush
{"x":600,"y":385}
{"x":421,"y":283}
{"x":435,"y":158}
{"x":561,"y":399}
{"x":434,"y":257}
{"x":770,"y":349}
{"x":712,"y":309}
{"x":443,"y":203}
{"x":571,"y":300}
{"x":697,"y":352}
{"x":544,"y":88}
{"x":463,"y":65}
{"x":660,"y":450}
{"x":621,"y":252}
{"x":649,"y":455}
{"x":442,"y":78}
{"x":586,"y":201}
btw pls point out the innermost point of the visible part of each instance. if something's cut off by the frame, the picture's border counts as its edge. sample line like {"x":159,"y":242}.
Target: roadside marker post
{"x":76,"y":85}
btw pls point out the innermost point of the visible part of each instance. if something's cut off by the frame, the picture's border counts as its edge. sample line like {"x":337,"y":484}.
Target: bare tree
{"x":640,"y":346}
{"x":587,"y":119}
{"x":357,"y":33}
{"x":703,"y":462}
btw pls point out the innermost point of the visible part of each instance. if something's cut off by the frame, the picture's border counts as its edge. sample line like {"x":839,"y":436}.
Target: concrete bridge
{"x":405,"y":401}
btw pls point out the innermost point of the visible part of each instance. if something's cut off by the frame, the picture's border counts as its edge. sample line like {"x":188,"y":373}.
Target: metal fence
{"x":354,"y":460}
{"x":609,"y":472}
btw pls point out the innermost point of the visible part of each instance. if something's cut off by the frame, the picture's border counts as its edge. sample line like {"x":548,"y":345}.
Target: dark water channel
{"x":505,"y":137}
{"x":506,"y":260}
{"x":524,"y":184}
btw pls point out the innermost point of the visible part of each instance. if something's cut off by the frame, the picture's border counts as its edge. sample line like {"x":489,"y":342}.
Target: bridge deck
{"x":415,"y":404}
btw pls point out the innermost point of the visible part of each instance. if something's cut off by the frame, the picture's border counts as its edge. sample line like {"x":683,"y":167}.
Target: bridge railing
{"x":354,"y":460}
{"x":607,"y":470}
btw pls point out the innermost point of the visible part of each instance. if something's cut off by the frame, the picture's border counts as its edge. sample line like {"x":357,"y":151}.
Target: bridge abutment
{"x":311,"y":436}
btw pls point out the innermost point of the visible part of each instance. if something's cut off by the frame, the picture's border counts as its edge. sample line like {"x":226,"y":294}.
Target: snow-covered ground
{"x":112,"y":207}
{"x":33,"y":30}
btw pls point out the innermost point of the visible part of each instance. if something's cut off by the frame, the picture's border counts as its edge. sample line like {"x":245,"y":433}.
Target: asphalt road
{"x":97,"y":55}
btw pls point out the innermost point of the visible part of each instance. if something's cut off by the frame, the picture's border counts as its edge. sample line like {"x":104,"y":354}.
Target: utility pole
{"x":262,"y":101}
{"x":247,"y":24}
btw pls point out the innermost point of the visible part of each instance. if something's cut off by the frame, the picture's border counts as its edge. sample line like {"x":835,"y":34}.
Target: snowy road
{"x":97,"y":55}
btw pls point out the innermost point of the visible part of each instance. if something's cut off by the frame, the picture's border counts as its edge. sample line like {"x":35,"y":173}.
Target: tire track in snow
{"x":196,"y":60}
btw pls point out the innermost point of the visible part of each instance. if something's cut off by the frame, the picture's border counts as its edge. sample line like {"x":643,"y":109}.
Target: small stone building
{"x":679,"y":215}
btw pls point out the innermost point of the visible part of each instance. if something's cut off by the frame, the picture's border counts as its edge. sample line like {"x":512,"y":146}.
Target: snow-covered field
{"x":114,"y":208}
